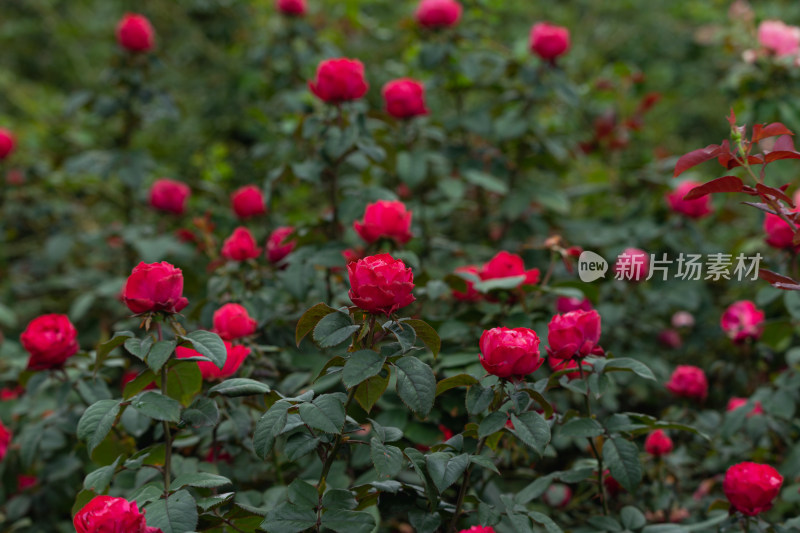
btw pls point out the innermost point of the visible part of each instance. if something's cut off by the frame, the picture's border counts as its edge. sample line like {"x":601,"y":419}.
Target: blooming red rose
{"x":153,"y":287}
{"x":277,"y":245}
{"x":7,"y":143}
{"x":742,"y":320}
{"x":248,"y":201}
{"x":557,"y":365}
{"x":108,"y":514}
{"x":471,"y":295}
{"x":232,"y":321}
{"x":50,"y":340}
{"x":510,"y":352}
{"x":240,"y":246}
{"x":380,"y":284}
{"x":549,"y":41}
{"x":688,"y":382}
{"x":339,"y":80}
{"x":169,"y":195}
{"x":405,"y":98}
{"x":5,"y":440}
{"x":506,"y":265}
{"x":752,"y":487}
{"x":735,"y":403}
{"x":438,"y":13}
{"x":557,"y":495}
{"x":135,"y":33}
{"x":779,"y":38}
{"x":574,"y":333}
{"x":697,"y":208}
{"x":779,"y":233}
{"x":294,"y":8}
{"x":236,"y":356}
{"x":385,"y":218}
{"x":565,"y":304}
{"x":658,"y":443}
{"x":632,"y":264}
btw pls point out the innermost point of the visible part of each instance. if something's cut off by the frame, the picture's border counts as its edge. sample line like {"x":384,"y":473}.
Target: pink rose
{"x":7,"y":143}
{"x":779,"y":38}
{"x":574,"y":333}
{"x":779,"y":233}
{"x":169,"y":195}
{"x":549,"y":41}
{"x":751,"y":487}
{"x":471,"y":295}
{"x":50,"y":340}
{"x":697,"y":208}
{"x":385,"y":219}
{"x":658,"y":443}
{"x":135,"y":34}
{"x":405,"y":98}
{"x":240,"y":246}
{"x":154,"y":287}
{"x":232,"y":321}
{"x":248,"y":201}
{"x":682,"y":319}
{"x":506,"y":265}
{"x":736,"y":403}
{"x":688,"y":382}
{"x":510,"y":352}
{"x":438,"y":13}
{"x":111,"y":515}
{"x":380,"y":284}
{"x":339,"y":80}
{"x":294,"y":8}
{"x":236,"y":356}
{"x":277,"y":245}
{"x":742,"y":320}
{"x":632,"y":264}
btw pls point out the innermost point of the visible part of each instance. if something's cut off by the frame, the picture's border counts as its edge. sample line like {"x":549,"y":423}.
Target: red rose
{"x":742,"y":320}
{"x":557,"y":495}
{"x":153,"y":287}
{"x":478,"y":529}
{"x":574,"y":333}
{"x":697,"y":208}
{"x":169,"y":195}
{"x":24,"y":482}
{"x":405,"y":98}
{"x":510,"y":352}
{"x":506,"y":265}
{"x":565,"y":304}
{"x":549,"y":41}
{"x":385,"y":218}
{"x":5,"y":440}
{"x":240,"y":246}
{"x":632,"y":264}
{"x":380,"y":284}
{"x":670,"y":338}
{"x":210,"y":371}
{"x":735,"y":403}
{"x":134,"y":33}
{"x":688,"y":382}
{"x":277,"y":245}
{"x":447,"y":433}
{"x":11,"y":393}
{"x":7,"y":143}
{"x":612,"y":485}
{"x":779,"y":233}
{"x":50,"y":340}
{"x":232,"y":321}
{"x":295,"y":8}
{"x":471,"y":295}
{"x":111,"y":515}
{"x":658,"y":443}
{"x":438,"y":13}
{"x":339,"y":80}
{"x":751,"y":487}
{"x":248,"y":201}
{"x":557,"y":365}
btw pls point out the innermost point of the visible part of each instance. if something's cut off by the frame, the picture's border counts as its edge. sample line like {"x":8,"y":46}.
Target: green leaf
{"x":581,"y":427}
{"x":159,"y":354}
{"x":491,"y":424}
{"x":426,"y":334}
{"x":460,"y":380}
{"x":622,"y":458}
{"x":202,"y":480}
{"x":203,"y":412}
{"x":310,"y":319}
{"x":416,"y":384}
{"x":534,"y":490}
{"x":339,"y":499}
{"x":485,"y":462}
{"x":289,"y":518}
{"x":546,"y":521}
{"x":233,"y":388}
{"x":209,"y":345}
{"x":268,"y":427}
{"x":423,"y":522}
{"x":370,"y":391}
{"x":486,"y":181}
{"x":325,"y":413}
{"x":626,"y":364}
{"x":412,"y":168}
{"x":97,"y":421}
{"x":604,"y":523}
{"x":388,"y":460}
{"x":303,"y":494}
{"x":139,"y":347}
{"x":532,"y":429}
{"x":177,"y":514}
{"x":138,"y":384}
{"x":361,"y":366}
{"x":103,"y":350}
{"x":300,"y":444}
{"x":99,"y":480}
{"x":157,"y":406}
{"x":478,"y":399}
{"x":344,"y":521}
{"x":632,"y":518}
{"x":403,"y":332}
{"x":184,"y":381}
{"x":507,"y":283}
{"x":417,"y":459}
{"x":334,"y":329}
{"x":445,"y":469}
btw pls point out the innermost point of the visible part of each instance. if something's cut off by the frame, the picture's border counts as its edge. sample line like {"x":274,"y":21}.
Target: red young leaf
{"x":784,"y":142}
{"x":777,"y":155}
{"x":770,"y":130}
{"x":778,"y":281}
{"x":763,"y":207}
{"x":723,"y":184}
{"x":765,"y":190}
{"x":732,"y":118}
{"x":696,"y":157}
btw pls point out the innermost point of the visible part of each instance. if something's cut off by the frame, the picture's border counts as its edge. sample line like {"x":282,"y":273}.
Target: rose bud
{"x":339,"y":80}
{"x":169,"y":195}
{"x":736,"y":403}
{"x":277,"y":245}
{"x":658,"y":443}
{"x":779,"y":38}
{"x":471,"y":295}
{"x":478,"y":529}
{"x":380,"y":284}
{"x":549,"y":41}
{"x":670,"y":339}
{"x":5,"y":440}
{"x":510,"y":352}
{"x":248,"y":201}
{"x":779,"y":233}
{"x":153,"y":287}
{"x":292,"y":8}
{"x":556,"y":365}
{"x":742,"y":320}
{"x":751,"y":487}
{"x":682,"y":319}
{"x":574,"y":333}
{"x":697,"y":208}
{"x":7,"y":143}
{"x":405,"y":98}
{"x":135,"y":34}
{"x":240,"y":246}
{"x":236,"y":356}
{"x":688,"y":382}
{"x":557,"y":495}
{"x":115,"y":515}
{"x":25,"y":482}
{"x":565,"y":304}
{"x":385,"y":219}
{"x":438,"y":13}
{"x":632,"y":264}
{"x":50,"y":340}
{"x":232,"y":321}
{"x":506,"y":265}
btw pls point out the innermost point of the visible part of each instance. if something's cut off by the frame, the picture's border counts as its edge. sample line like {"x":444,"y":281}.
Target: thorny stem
{"x":600,"y":486}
